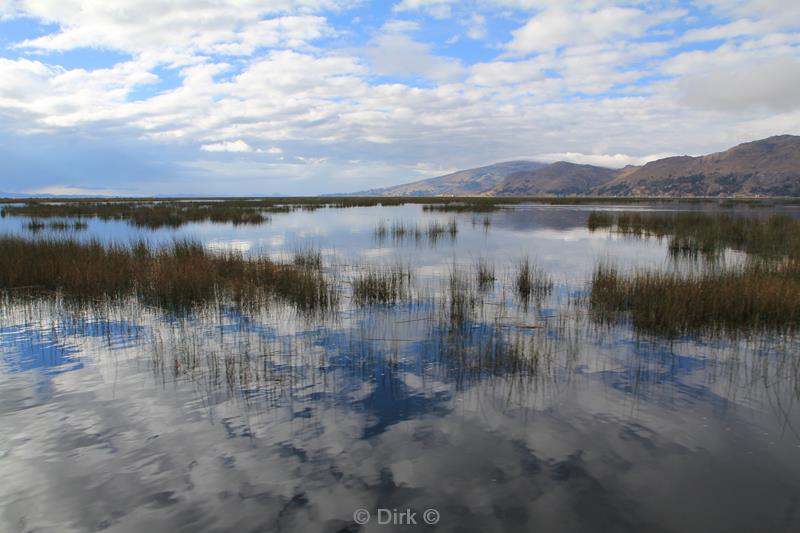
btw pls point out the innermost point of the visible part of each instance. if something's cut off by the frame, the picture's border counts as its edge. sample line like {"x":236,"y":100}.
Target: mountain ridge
{"x":460,"y":183}
{"x":766,"y":167}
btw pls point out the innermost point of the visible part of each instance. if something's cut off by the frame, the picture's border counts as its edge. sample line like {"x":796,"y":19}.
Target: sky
{"x":301,"y":97}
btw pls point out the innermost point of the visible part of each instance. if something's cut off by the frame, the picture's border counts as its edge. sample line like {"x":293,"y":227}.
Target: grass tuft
{"x":377,"y":285}
{"x":531,"y":281}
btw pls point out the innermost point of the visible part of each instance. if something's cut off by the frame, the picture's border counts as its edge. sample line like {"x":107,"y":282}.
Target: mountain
{"x":768,"y":167}
{"x":557,"y":179}
{"x":462,"y":183}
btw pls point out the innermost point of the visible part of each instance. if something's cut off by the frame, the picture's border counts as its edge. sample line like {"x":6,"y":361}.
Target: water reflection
{"x":223,"y":420}
{"x":503,"y":417}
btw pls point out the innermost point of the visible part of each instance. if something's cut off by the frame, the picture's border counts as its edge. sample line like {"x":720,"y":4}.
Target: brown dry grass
{"x":179,"y":276}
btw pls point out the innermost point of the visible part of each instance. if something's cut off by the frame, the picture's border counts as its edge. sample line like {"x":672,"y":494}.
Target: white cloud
{"x":557,"y":27}
{"x":572,"y":83}
{"x":736,"y":28}
{"x":227,"y":146}
{"x":600,"y":160}
{"x":476,"y":26}
{"x":228,"y":26}
{"x":394,"y":53}
{"x":781,"y":14}
{"x":772,"y":84}
{"x":502,"y":73}
{"x":436,"y":8}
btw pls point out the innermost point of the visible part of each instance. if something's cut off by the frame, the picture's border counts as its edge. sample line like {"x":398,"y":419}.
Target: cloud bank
{"x":320,"y":96}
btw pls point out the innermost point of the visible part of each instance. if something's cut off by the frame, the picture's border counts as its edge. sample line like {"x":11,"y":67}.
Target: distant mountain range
{"x":768,"y":167}
{"x":461,"y":183}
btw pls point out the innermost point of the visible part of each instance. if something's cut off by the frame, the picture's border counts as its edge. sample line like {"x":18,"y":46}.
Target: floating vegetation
{"x":179,"y":276}
{"x":377,"y":285}
{"x":757,"y":296}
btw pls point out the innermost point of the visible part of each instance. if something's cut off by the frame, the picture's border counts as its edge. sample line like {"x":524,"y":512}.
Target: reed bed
{"x":147,"y":215}
{"x":599,"y":220}
{"x":468,"y":207}
{"x":377,"y":285}
{"x":35,"y":226}
{"x":400,"y":231}
{"x":691,"y":233}
{"x":179,"y":276}
{"x":308,"y":258}
{"x":436,"y":230}
{"x":755,"y":297}
{"x":287,"y":203}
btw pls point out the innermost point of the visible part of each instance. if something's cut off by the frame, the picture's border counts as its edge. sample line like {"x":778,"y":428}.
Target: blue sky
{"x":141,"y":97}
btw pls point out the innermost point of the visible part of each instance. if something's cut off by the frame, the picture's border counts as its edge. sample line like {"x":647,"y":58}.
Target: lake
{"x":458,"y":403}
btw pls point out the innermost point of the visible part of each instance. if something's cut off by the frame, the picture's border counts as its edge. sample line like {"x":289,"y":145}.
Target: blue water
{"x":121,"y":417}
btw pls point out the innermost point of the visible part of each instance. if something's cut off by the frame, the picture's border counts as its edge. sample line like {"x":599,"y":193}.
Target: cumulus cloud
{"x":476,"y":26}
{"x":436,"y":8}
{"x":772,"y":85}
{"x":228,"y":26}
{"x":227,"y":146}
{"x":395,"y":53}
{"x":298,"y":95}
{"x":554,"y":28}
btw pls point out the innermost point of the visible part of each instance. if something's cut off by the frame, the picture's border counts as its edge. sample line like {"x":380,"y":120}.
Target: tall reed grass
{"x":399,"y":231}
{"x":708,"y":234}
{"x":757,"y":296}
{"x":381,"y":285}
{"x":179,"y":276}
{"x":152,"y":215}
{"x":532,"y":281}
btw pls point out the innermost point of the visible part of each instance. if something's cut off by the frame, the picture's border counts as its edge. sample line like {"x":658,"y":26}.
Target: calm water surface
{"x":125,"y":418}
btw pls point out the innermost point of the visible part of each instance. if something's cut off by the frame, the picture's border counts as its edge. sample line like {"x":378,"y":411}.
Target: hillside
{"x":461,"y":183}
{"x":557,"y":179}
{"x":768,"y":167}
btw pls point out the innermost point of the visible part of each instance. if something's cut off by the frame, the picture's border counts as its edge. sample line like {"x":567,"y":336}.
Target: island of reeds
{"x":757,"y":289}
